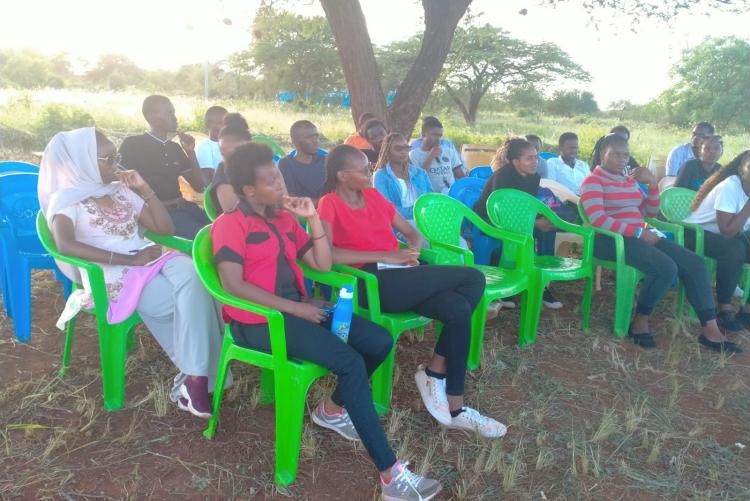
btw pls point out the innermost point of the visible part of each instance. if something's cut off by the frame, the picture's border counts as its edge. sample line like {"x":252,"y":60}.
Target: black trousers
{"x":445,"y":293}
{"x":352,"y":362}
{"x":662,"y":263}
{"x":730,"y":254}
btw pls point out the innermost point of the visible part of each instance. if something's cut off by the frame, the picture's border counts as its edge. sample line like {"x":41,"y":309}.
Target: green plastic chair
{"x":394,"y":323}
{"x":283,"y":379}
{"x":208,"y":204}
{"x":675,"y":206}
{"x":440,"y":218}
{"x":115,"y":340}
{"x":269,"y":141}
{"x":515,"y":210}
{"x":627,"y":277}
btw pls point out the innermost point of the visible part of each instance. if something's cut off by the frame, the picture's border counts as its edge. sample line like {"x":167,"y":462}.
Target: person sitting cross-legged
{"x":97,"y":211}
{"x":615,"y":202}
{"x":256,"y":247}
{"x":360,"y":223}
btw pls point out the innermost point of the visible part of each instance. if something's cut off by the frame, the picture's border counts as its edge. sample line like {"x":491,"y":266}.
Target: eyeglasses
{"x":402,"y":148}
{"x":113,"y":159}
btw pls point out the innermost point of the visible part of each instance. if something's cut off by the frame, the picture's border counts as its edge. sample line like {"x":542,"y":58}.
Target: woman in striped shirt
{"x":615,"y":202}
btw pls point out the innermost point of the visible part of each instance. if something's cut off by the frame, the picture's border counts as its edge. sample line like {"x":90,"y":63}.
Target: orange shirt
{"x":358,"y":141}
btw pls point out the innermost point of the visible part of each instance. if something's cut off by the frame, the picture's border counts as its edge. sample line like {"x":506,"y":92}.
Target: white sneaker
{"x":738,"y":292}
{"x":507,"y":304}
{"x":433,"y":395}
{"x":471,"y":420}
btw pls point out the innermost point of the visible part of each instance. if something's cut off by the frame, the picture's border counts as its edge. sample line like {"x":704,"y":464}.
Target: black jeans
{"x":352,"y":362}
{"x":188,"y":220}
{"x":730,"y":255}
{"x":445,"y":293}
{"x":661,"y":263}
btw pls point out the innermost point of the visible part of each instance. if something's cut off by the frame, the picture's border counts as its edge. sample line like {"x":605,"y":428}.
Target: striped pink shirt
{"x":616,"y":202}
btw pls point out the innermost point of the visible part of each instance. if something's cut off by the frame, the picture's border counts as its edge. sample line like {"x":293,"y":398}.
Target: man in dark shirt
{"x":695,"y":172}
{"x":305,"y":172}
{"x":375,"y":133}
{"x":161,"y":162}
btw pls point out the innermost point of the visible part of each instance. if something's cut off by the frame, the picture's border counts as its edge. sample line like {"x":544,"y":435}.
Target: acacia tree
{"x":485,"y":58}
{"x":441,"y":18}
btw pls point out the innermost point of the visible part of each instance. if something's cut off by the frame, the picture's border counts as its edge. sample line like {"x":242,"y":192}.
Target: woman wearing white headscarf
{"x":96,"y":211}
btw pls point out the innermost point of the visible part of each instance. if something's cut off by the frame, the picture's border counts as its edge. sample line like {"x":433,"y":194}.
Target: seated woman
{"x":616,"y":203}
{"x":235,"y":132}
{"x":721,"y":207}
{"x":514,"y":167}
{"x":397,"y":179}
{"x":360,"y":223}
{"x":96,"y":211}
{"x":596,"y":155}
{"x":256,"y":247}
{"x":695,"y":172}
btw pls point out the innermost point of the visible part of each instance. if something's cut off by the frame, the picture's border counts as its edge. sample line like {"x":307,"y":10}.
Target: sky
{"x":625,"y":63}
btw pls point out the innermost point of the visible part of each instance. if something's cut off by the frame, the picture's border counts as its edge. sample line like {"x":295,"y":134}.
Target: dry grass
{"x":590,"y":417}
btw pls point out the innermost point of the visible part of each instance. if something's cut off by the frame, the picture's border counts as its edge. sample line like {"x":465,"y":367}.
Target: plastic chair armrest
{"x":372,"y":289}
{"x":177,"y":243}
{"x":676,"y":229}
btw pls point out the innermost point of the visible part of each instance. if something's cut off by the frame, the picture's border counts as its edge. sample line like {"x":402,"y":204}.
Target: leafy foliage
{"x":291,"y":52}
{"x":712,"y":84}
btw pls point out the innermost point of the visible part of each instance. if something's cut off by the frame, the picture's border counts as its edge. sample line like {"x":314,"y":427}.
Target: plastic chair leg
{"x":478,"y":323}
{"x":267,"y":386}
{"x":5,"y":290}
{"x":112,"y":348}
{"x":382,"y":382}
{"x":586,"y":305}
{"x":531,"y":306}
{"x":624,"y":299}
{"x":224,"y":361}
{"x":290,"y":409}
{"x":19,"y":288}
{"x":69,"y":331}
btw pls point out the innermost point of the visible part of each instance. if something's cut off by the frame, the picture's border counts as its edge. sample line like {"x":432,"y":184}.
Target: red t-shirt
{"x":367,"y":229}
{"x":267,"y":249}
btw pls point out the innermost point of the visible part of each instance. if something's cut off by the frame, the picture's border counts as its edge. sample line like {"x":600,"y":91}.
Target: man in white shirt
{"x":683,"y":153}
{"x":444,"y":143}
{"x":443,"y":165}
{"x":207,"y":151}
{"x":567,"y":168}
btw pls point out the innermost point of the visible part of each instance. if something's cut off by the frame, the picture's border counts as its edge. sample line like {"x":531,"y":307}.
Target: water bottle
{"x":342,"y":313}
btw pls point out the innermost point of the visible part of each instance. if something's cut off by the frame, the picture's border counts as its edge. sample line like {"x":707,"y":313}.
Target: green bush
{"x":58,"y":117}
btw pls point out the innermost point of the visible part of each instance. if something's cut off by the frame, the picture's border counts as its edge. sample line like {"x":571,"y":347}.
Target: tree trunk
{"x":357,"y":57}
{"x":361,"y":70}
{"x":461,"y":106}
{"x":440,"y":18}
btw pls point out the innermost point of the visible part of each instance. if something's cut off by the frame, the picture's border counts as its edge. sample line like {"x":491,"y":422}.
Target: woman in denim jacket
{"x":397,"y":179}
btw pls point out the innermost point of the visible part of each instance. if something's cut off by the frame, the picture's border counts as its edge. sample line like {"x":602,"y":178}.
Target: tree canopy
{"x":486,"y":59}
{"x":713,"y":84}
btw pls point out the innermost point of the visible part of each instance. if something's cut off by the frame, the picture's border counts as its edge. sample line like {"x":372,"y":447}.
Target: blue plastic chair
{"x":481,"y":171}
{"x":467,"y":190}
{"x":5,"y":167}
{"x":13,"y":166}
{"x":546,"y":155}
{"x":21,"y":249}
{"x":321,"y":151}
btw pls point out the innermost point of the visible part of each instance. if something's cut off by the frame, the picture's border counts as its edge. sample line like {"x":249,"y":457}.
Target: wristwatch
{"x":638,"y":232}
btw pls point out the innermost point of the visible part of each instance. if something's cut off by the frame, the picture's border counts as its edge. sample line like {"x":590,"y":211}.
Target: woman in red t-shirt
{"x":256,"y":247}
{"x":360,"y":223}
